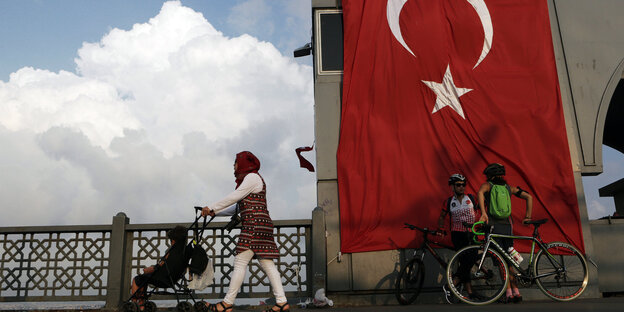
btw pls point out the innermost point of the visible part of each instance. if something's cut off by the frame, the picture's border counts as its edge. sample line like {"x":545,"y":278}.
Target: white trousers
{"x":240,"y":267}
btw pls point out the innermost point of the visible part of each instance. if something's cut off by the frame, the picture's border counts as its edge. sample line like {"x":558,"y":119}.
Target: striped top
{"x":257,"y":227}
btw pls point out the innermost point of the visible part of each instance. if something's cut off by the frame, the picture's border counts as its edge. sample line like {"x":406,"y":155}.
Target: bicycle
{"x":411,"y":277}
{"x":559,"y":269}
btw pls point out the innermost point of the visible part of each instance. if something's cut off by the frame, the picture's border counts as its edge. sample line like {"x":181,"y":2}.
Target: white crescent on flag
{"x":488,"y":29}
{"x":393,"y":11}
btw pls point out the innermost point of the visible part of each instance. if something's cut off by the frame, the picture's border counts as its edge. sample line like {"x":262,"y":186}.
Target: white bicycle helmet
{"x":456,"y":178}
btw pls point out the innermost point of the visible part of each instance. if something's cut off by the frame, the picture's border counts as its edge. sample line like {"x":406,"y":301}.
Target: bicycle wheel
{"x":561,"y":273}
{"x":409,"y":282}
{"x":486,"y":284}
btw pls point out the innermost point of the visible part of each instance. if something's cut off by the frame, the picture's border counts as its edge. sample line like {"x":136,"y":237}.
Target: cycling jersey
{"x":461,"y":211}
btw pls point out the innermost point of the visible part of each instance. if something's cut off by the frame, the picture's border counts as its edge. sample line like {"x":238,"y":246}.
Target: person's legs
{"x":138,"y":288}
{"x":512,"y":293}
{"x":236,"y":280}
{"x":517,"y":297}
{"x":465,"y":265}
{"x":134,"y":287}
{"x":270,"y":269}
{"x":461,"y":240}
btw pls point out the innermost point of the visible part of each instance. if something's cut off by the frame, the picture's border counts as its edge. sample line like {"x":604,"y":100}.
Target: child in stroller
{"x":167,"y":273}
{"x":175,"y":260}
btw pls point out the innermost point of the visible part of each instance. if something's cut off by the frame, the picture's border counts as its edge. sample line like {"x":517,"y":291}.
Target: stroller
{"x":170,"y":274}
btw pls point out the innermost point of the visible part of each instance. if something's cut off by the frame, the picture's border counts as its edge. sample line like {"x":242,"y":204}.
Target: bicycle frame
{"x":490,"y":241}
{"x":410,"y":279}
{"x":427,"y":246}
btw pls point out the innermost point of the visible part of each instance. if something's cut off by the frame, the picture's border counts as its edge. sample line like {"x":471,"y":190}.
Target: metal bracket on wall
{"x":338,"y":257}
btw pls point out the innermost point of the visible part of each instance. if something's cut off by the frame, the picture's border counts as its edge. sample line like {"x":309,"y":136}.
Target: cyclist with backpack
{"x":462,"y":208}
{"x":495,"y":202}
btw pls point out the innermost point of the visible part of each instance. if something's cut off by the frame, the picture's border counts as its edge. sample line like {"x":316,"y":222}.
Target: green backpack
{"x":500,"y":201}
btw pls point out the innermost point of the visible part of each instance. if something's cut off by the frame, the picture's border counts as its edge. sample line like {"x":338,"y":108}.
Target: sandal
{"x":282,"y":308}
{"x":214,"y":307}
{"x":517,"y":298}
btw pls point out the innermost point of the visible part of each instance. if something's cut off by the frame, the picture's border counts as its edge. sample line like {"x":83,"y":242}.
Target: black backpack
{"x":199,"y":259}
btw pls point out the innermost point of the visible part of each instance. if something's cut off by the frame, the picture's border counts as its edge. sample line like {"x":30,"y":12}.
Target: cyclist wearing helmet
{"x":462,"y":208}
{"x":495,"y":176}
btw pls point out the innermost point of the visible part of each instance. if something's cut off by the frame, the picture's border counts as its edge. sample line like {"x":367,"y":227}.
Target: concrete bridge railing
{"x":97,"y":262}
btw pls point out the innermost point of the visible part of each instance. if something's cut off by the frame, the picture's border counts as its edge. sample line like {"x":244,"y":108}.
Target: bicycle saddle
{"x":536,"y":222}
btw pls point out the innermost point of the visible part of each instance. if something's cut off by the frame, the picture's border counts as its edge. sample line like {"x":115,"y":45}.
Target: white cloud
{"x":150,"y":126}
{"x":598,"y":210}
{"x":35,"y":99}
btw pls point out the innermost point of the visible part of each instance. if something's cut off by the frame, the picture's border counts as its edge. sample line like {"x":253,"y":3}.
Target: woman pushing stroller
{"x":256,"y":237}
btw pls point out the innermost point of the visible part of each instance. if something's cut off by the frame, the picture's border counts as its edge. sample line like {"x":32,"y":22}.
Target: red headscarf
{"x":246,"y":163}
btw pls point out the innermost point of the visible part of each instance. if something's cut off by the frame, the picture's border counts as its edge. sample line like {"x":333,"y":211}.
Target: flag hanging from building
{"x":433,"y":88}
{"x":304,"y":163}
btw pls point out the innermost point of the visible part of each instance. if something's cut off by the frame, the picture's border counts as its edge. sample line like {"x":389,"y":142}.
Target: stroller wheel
{"x":201,"y":306}
{"x":149,"y":306}
{"x":184,"y":306}
{"x":129,"y":306}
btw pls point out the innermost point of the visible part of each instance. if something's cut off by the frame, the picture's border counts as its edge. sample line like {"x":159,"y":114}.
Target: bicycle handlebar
{"x":474,"y":225}
{"x":473,"y":229}
{"x":485,"y":226}
{"x":424,"y":230}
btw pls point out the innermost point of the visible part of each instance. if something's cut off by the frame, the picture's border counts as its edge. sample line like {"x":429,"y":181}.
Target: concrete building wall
{"x":607,"y":234}
{"x":591,"y":63}
{"x":589,"y":51}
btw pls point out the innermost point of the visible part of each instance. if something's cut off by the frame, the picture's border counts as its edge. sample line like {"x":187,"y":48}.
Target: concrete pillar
{"x":319,"y":267}
{"x":117,"y":286}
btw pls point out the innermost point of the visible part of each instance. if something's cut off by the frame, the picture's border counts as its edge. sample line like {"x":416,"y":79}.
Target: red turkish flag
{"x":433,"y":88}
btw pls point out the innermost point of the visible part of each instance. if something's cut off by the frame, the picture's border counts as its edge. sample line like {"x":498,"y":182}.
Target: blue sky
{"x":140,"y":106}
{"x":613,"y":170}
{"x":47,"y":33}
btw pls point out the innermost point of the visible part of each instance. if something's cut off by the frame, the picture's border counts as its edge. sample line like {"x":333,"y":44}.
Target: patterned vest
{"x":256,"y":227}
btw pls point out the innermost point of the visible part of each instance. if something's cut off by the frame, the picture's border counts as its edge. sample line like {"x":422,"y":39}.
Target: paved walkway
{"x":603,"y":304}
{"x":580,"y":305}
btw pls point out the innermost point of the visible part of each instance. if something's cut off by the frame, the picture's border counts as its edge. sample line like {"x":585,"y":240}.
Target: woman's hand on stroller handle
{"x":206,"y":211}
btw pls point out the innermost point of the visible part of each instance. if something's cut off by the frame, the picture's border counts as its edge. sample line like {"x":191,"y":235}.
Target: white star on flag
{"x":447,"y":94}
